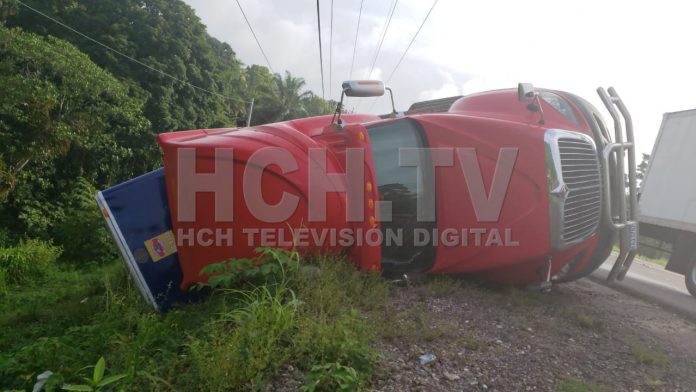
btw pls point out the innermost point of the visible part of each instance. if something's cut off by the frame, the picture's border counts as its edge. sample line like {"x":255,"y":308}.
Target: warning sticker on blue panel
{"x":161,"y":246}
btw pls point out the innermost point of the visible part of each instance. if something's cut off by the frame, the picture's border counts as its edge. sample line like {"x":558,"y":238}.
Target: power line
{"x":355,"y":44}
{"x":331,"y":49}
{"x":127,"y":56}
{"x":255,"y":38}
{"x":407,"y":48}
{"x":321,"y":56}
{"x":411,"y":43}
{"x":381,"y":41}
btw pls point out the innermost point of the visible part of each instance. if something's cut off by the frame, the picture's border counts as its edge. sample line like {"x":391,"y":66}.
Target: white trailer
{"x":668,"y":193}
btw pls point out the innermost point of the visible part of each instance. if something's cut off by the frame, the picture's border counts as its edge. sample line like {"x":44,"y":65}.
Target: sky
{"x":643,"y":48}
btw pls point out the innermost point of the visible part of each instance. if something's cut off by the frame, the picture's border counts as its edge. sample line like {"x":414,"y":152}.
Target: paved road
{"x":652,"y":283}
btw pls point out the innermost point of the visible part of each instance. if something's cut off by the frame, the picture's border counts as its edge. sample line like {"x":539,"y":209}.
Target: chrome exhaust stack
{"x":624,"y":221}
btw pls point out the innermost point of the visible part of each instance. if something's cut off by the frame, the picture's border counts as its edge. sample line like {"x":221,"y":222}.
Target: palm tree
{"x":288,"y":96}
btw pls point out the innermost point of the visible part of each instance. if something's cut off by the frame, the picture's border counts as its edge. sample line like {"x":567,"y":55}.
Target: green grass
{"x":67,"y":319}
{"x":583,"y":320}
{"x":647,"y":355}
{"x":573,"y":385}
{"x":413,"y":325}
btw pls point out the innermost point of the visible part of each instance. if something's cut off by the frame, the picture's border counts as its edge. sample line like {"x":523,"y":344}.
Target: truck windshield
{"x":399,"y":185}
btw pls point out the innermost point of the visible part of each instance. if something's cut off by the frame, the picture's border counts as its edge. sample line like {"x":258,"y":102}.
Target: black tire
{"x":690,"y":278}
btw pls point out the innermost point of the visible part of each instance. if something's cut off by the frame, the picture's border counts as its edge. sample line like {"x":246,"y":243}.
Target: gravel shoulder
{"x":579,"y":336}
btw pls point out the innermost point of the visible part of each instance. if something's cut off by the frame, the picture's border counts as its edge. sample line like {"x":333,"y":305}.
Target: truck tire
{"x":690,"y":278}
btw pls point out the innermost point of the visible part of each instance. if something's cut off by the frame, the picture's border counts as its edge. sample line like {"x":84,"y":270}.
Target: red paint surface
{"x":486,"y":122}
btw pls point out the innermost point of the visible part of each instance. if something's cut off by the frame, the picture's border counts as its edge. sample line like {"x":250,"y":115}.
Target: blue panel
{"x":139,"y":211}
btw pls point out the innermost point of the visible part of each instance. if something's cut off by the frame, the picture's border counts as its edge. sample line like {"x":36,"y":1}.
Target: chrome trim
{"x":624,"y":221}
{"x":128,"y":257}
{"x":575,"y":201}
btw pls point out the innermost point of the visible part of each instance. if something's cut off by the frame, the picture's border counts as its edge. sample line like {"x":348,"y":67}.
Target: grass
{"x":647,"y":355}
{"x":574,"y":385}
{"x":238,"y":339}
{"x":413,"y":325}
{"x":438,"y":286}
{"x":654,"y":383}
{"x":583,"y":320}
{"x":649,"y":255}
{"x":523,"y":297}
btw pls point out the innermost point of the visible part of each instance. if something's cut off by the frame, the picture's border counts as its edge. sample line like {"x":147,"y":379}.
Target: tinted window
{"x":557,"y":102}
{"x":399,"y":184}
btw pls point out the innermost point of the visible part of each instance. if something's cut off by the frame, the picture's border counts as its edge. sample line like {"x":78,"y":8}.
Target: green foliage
{"x":3,"y":282}
{"x":270,"y":266}
{"x":64,"y":122}
{"x":81,"y":232}
{"x":257,"y":341}
{"x":97,"y":382}
{"x":7,"y":9}
{"x":647,"y":355}
{"x":642,"y":168}
{"x":573,"y":385}
{"x":235,"y":340}
{"x":60,"y":114}
{"x":28,"y":259}
{"x":331,"y":377}
{"x":343,"y":338}
{"x":166,"y":35}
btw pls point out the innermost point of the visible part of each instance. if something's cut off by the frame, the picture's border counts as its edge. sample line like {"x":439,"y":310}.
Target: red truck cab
{"x":514,"y":185}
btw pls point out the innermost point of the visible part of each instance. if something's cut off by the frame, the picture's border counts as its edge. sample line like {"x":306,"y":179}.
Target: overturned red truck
{"x":523,"y":186}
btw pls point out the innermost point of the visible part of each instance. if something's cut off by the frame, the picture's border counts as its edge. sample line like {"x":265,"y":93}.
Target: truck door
{"x":399,"y":185}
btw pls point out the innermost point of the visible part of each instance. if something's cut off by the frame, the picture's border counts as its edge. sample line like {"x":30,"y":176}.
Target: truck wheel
{"x":690,"y":277}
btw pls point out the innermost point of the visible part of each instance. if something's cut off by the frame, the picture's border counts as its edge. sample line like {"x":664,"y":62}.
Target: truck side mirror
{"x":363,"y":88}
{"x":525,"y":91}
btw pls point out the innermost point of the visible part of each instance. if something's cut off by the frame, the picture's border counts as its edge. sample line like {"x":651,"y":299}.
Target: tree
{"x":259,"y":84}
{"x":642,"y":168}
{"x":163,"y":34}
{"x":63,"y":118}
{"x":316,"y":106}
{"x":289,"y":95}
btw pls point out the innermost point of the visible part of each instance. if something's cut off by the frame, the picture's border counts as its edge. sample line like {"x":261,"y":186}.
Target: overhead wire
{"x":331,"y":47}
{"x":321,"y":56}
{"x":381,"y":40}
{"x":105,"y":46}
{"x":413,"y":39}
{"x":355,"y":44}
{"x":411,"y":43}
{"x":255,"y":38}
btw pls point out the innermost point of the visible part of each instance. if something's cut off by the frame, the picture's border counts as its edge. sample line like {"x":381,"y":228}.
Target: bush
{"x":82,"y":232}
{"x":4,"y":237}
{"x":3,"y":282}
{"x":241,"y":358}
{"x":331,"y":377}
{"x":28,"y":259}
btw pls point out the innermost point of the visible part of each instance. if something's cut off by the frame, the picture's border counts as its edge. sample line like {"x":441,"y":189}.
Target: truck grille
{"x":583,"y":204}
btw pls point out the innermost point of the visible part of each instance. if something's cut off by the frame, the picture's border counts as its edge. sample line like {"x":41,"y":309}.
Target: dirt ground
{"x":578,"y":337}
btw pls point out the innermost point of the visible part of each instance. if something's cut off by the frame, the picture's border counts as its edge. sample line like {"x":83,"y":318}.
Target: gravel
{"x":516,"y":340}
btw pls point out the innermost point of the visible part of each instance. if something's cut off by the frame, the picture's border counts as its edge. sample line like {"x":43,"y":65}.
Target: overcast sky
{"x":643,"y":48}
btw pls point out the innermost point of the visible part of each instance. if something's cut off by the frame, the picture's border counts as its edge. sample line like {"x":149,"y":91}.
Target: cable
{"x":411,"y":43}
{"x":355,"y":44}
{"x":406,"y":51}
{"x":127,"y":56}
{"x":321,"y":57}
{"x":255,"y":38}
{"x":331,"y":49}
{"x":381,"y":41}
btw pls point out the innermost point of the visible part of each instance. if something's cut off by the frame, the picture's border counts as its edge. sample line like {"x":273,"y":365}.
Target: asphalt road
{"x":652,"y":283}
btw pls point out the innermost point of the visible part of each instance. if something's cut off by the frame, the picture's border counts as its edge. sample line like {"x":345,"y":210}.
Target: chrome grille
{"x":580,"y":173}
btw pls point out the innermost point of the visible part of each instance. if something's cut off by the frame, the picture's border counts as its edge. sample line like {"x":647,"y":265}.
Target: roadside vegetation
{"x":307,"y":314}
{"x":76,"y":117}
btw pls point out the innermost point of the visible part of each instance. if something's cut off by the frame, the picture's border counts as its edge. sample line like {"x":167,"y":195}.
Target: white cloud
{"x":641,"y":48}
